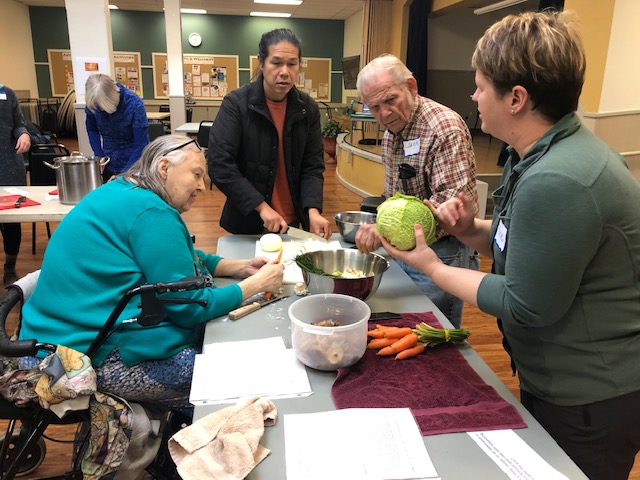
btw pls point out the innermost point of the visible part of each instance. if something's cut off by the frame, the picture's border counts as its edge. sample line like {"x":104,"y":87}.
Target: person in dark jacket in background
{"x":265,"y":147}
{"x":116,"y":123}
{"x":14,"y":141}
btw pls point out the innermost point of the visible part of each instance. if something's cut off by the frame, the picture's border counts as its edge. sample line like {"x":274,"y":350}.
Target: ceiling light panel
{"x":270,"y":14}
{"x":279,"y":2}
{"x":497,"y":6}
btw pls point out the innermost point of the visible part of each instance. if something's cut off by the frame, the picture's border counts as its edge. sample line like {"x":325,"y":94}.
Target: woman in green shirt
{"x":565,"y":244}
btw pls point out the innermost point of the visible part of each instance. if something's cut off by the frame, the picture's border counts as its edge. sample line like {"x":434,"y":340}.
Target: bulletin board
{"x":314,"y":76}
{"x":206,"y":77}
{"x":128,"y":71}
{"x":126,"y":64}
{"x":60,"y":72}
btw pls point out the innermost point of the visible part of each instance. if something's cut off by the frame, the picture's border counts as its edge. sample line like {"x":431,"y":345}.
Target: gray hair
{"x":101,"y":92}
{"x":145,"y":172}
{"x":385,"y":62}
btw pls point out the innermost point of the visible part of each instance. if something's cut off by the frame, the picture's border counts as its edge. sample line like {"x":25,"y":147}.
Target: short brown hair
{"x":541,"y":51}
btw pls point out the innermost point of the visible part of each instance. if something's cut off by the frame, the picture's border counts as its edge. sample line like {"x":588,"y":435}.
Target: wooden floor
{"x":202,"y":221}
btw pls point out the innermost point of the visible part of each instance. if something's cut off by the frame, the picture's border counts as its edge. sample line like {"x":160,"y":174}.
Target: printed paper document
{"x":265,"y":368}
{"x":356,"y":444}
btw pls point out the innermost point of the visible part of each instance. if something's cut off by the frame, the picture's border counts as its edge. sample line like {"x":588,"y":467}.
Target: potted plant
{"x":330,"y":131}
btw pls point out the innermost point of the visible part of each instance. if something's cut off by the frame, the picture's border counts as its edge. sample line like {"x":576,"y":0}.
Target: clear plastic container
{"x":329,"y":347}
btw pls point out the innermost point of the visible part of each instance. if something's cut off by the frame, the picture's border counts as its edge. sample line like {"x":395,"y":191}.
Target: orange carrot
{"x":376,"y":333}
{"x":405,"y":342}
{"x":411,"y":352}
{"x":385,"y":328}
{"x":399,"y":333}
{"x":377,"y":343}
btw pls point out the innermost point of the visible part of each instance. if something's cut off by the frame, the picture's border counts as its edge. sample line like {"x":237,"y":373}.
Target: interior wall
{"x":620,"y":90}
{"x":18,"y":71}
{"x":452,"y":38}
{"x":451,"y":41}
{"x":400,"y":28}
{"x":221,"y":34}
{"x":352,"y":45}
{"x":595,"y":19}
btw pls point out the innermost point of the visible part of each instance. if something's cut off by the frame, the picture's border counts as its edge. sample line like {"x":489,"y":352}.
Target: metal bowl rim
{"x":351,"y":251}
{"x":368,"y":215}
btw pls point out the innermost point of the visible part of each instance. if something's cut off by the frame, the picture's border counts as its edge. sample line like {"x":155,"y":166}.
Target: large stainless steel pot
{"x":77,"y":175}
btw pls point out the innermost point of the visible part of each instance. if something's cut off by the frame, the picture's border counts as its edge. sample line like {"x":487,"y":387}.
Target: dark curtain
{"x":417,"y":42}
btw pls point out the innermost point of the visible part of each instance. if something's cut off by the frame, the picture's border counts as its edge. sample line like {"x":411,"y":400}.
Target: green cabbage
{"x":397,"y":216}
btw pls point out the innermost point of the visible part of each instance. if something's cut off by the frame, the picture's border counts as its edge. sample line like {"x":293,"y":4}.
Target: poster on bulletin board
{"x":206,"y":77}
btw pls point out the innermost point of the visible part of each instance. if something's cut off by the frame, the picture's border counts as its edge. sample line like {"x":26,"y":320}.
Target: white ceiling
{"x":318,"y":9}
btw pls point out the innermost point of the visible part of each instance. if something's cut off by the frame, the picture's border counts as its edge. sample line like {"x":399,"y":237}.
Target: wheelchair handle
{"x":189,"y":283}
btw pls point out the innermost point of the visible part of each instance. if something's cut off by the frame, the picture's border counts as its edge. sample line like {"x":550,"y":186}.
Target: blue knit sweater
{"x":121,"y":135}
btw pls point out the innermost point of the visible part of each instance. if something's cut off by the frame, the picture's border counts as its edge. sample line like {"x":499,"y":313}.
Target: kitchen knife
{"x":252,"y":307}
{"x":304,"y":235}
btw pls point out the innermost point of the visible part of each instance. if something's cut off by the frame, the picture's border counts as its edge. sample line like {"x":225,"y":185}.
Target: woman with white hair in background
{"x":116,"y":123}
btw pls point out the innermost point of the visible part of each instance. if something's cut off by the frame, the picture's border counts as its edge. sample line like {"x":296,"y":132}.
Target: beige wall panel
{"x":400,"y":28}
{"x":634,"y":165}
{"x":16,"y":55}
{"x":360,"y":174}
{"x":352,"y":46}
{"x":596,"y":19}
{"x":620,"y":90}
{"x":620,"y":132}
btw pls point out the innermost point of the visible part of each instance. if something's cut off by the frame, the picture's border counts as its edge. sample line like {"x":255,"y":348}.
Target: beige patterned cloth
{"x":224,"y":445}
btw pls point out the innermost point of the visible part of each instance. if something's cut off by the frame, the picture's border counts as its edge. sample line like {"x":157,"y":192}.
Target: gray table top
{"x":455,"y":455}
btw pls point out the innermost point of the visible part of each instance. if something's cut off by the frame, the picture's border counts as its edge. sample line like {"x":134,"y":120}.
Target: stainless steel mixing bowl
{"x":348,"y":223}
{"x":371,"y":265}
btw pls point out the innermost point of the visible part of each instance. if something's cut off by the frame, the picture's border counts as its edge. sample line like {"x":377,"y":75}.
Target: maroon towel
{"x":439,"y":386}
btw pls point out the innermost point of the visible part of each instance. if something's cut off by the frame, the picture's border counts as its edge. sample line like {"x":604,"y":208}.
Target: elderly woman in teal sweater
{"x":96,"y":255}
{"x":565,"y":244}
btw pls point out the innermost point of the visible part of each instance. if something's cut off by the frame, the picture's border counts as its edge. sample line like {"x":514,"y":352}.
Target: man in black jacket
{"x":265,"y":147}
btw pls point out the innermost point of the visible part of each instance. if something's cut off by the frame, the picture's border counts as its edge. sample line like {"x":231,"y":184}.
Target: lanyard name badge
{"x":3,"y":95}
{"x":411,"y":147}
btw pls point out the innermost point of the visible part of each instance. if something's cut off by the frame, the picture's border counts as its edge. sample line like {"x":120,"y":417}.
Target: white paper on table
{"x":517,"y":459}
{"x":356,"y":443}
{"x":16,"y":191}
{"x":290,"y":250}
{"x":262,"y":368}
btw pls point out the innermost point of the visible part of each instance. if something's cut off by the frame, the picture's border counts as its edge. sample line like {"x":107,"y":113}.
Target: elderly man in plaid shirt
{"x":428,"y":153}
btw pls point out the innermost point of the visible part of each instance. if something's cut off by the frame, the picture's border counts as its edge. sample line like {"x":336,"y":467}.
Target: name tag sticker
{"x":3,"y":96}
{"x":501,"y":236}
{"x":411,"y":147}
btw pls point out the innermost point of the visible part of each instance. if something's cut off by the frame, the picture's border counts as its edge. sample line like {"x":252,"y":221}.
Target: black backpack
{"x":38,"y":137}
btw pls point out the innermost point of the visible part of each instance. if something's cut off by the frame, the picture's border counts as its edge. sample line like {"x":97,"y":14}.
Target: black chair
{"x":203,"y":140}
{"x":166,"y":123}
{"x":41,"y":175}
{"x":22,"y":450}
{"x":189,"y":113}
{"x":155,"y":129}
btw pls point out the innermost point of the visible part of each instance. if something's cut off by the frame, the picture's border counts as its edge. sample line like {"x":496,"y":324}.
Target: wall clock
{"x":195,"y":40}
